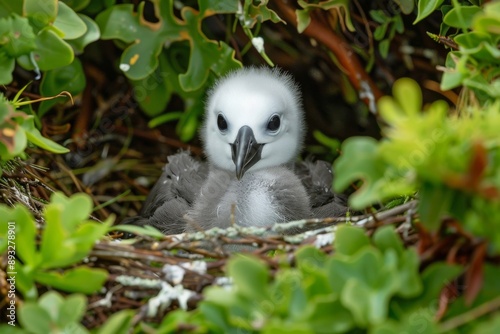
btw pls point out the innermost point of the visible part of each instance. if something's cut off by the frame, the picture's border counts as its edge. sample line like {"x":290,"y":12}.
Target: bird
{"x":252,"y":132}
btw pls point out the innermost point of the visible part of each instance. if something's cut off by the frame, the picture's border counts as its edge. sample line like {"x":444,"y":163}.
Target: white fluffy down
{"x":251,"y":97}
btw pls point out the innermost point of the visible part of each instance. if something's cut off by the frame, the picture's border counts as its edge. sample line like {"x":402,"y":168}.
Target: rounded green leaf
{"x":118,"y":323}
{"x":350,"y":239}
{"x":35,"y":319}
{"x":72,"y":310}
{"x":250,"y":276}
{"x":51,"y":302}
{"x":461,"y":16}
{"x":51,"y":51}
{"x":426,"y":7}
{"x":68,"y":22}
{"x":91,"y":35}
{"x":407,"y":92}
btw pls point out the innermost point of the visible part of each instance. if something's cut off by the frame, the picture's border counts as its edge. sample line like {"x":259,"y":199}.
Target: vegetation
{"x":422,"y":258}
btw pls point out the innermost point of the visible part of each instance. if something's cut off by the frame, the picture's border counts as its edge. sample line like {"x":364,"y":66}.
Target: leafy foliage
{"x":476,"y":64}
{"x":323,"y":293}
{"x":451,"y":161}
{"x":66,"y":240}
{"x":53,"y":313}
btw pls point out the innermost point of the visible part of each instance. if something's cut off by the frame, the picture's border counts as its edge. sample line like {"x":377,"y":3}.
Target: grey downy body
{"x":252,"y":133}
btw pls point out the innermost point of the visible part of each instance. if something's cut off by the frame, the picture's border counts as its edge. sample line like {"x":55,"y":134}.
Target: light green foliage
{"x":66,"y":239}
{"x":453,"y":162}
{"x":361,"y":286}
{"x":426,"y":7}
{"x":54,"y":314}
{"x":17,"y":129}
{"x":476,"y":64}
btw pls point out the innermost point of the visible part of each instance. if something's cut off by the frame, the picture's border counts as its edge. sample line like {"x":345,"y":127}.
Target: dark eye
{"x":274,"y":123}
{"x":221,"y":123}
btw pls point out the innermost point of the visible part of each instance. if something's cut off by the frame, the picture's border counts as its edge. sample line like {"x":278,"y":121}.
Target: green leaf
{"x":7,"y":65}
{"x":35,"y":137}
{"x":385,"y":238}
{"x":153,"y":92}
{"x":77,"y":5}
{"x":360,"y":160}
{"x":53,"y":249}
{"x":51,"y":302}
{"x":139,"y":230}
{"x":8,"y":7}
{"x":327,"y":312}
{"x":72,"y":310}
{"x":18,"y":226}
{"x":51,"y":51}
{"x":68,"y":22}
{"x":74,"y":210}
{"x":461,"y":16}
{"x":250,"y":276}
{"x":409,"y":96}
{"x":425,"y":8}
{"x":118,"y":323}
{"x":80,"y":279}
{"x":368,"y":276}
{"x":406,"y":6}
{"x":383,"y":47}
{"x":35,"y":319}
{"x":350,"y":239}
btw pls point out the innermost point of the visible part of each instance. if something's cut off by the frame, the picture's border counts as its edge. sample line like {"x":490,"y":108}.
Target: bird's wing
{"x":317,"y":178}
{"x":173,"y":194}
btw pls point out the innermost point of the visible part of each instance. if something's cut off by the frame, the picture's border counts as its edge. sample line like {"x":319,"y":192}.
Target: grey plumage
{"x":252,"y":132}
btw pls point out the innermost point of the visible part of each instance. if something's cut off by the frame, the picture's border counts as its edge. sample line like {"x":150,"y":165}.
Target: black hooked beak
{"x":245,"y":151}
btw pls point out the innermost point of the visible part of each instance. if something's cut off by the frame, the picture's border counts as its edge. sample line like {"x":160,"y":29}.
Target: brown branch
{"x":351,"y":65}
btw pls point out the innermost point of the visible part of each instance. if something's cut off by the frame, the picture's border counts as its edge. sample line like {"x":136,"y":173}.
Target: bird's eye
{"x":221,"y":123}
{"x":274,"y":123}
